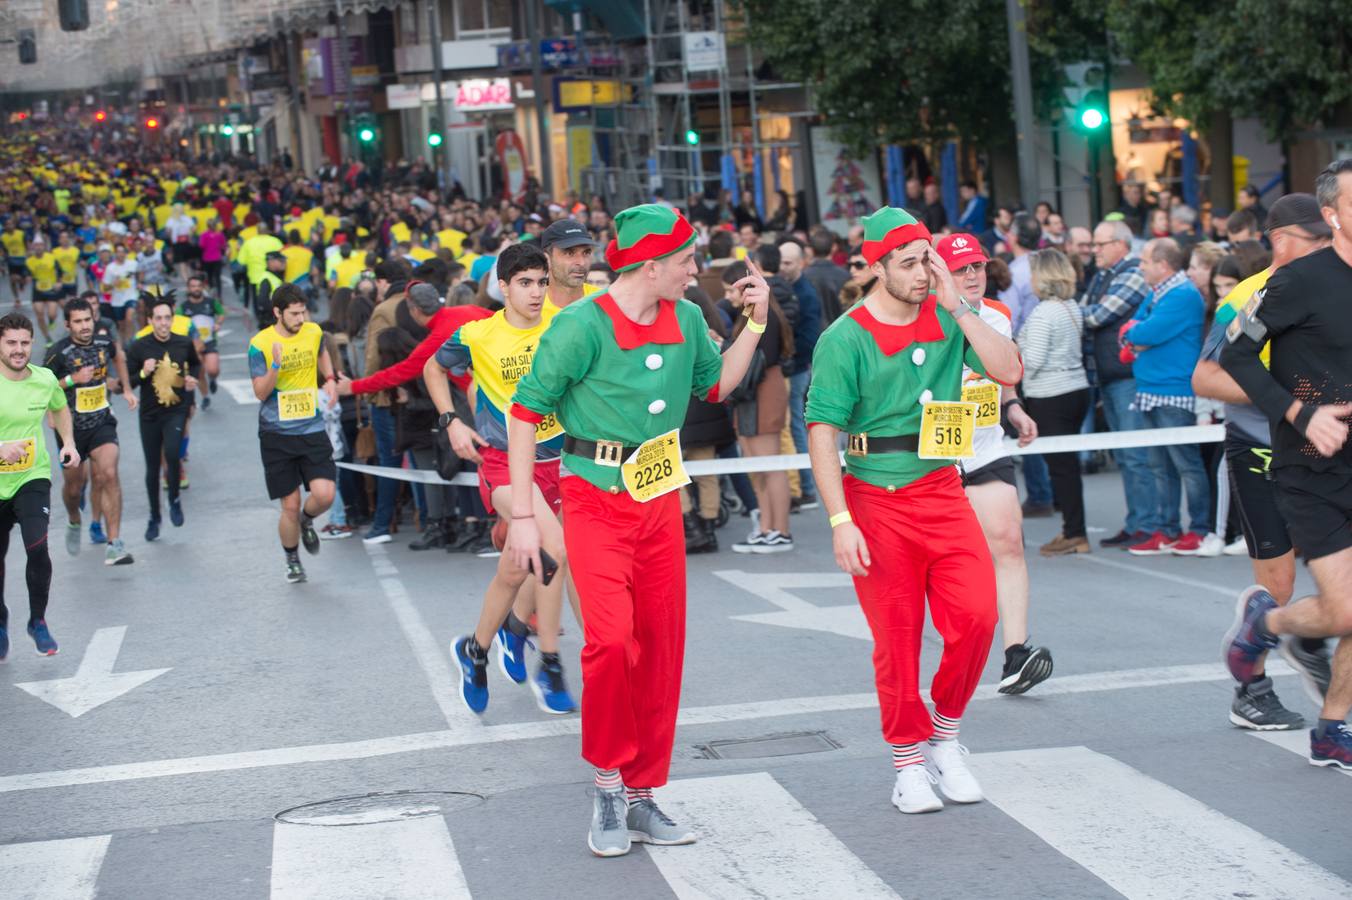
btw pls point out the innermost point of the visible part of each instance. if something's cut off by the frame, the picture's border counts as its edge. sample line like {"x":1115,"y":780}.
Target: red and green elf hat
{"x":889,"y":228}
{"x":645,"y":232}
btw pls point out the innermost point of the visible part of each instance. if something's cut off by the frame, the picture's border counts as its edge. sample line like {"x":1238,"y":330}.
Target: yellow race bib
{"x":548,"y":427}
{"x":25,"y":462}
{"x":986,"y":396}
{"x":946,"y":430}
{"x":655,"y":468}
{"x":91,"y":399}
{"x":294,"y":405}
{"x":204,"y":332}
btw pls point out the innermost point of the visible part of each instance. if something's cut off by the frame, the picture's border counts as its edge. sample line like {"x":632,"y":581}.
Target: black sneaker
{"x":431,"y":538}
{"x":176,"y":512}
{"x":1310,"y":658}
{"x":1025,"y":666}
{"x":152,"y":530}
{"x":295,"y":572}
{"x":1256,"y":706}
{"x":309,"y":538}
{"x":1123,"y":539}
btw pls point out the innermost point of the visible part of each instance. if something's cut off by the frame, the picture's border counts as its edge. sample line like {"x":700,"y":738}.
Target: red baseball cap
{"x":959,"y":250}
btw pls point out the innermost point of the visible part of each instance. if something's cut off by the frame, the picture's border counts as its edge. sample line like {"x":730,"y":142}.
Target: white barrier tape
{"x":1108,"y":440}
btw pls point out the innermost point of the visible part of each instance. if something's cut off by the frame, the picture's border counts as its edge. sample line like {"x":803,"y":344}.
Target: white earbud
{"x":1338,"y":225}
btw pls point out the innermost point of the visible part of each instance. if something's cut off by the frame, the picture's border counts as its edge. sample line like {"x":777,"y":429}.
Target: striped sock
{"x":637,"y":794}
{"x":945,"y":729}
{"x":904,"y":755}
{"x":608,"y":780}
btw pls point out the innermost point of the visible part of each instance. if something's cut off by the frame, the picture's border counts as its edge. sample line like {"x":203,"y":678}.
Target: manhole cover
{"x":791,"y":744}
{"x":370,"y":809}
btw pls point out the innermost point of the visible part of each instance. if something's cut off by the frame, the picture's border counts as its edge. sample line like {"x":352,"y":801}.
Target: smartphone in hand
{"x":550,"y":565}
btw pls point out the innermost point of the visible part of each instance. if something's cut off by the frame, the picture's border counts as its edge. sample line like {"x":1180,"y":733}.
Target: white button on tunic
{"x":657,"y":406}
{"x":654,"y":361}
{"x":918,"y":356}
{"x":926,"y":395}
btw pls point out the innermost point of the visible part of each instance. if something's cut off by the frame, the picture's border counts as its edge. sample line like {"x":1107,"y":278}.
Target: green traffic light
{"x":1092,"y":118}
{"x":367,"y":135}
{"x":692,"y":137}
{"x":227,"y":130}
{"x":434,"y":140}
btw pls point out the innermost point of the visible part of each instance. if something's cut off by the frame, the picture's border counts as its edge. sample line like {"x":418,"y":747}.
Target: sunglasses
{"x":858,"y":264}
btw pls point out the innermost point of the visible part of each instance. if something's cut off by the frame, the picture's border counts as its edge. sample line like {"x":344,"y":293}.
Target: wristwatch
{"x":445,"y":419}
{"x":963,"y":309}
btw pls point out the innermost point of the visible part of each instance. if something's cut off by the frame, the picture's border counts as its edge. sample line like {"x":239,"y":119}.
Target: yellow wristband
{"x":752,"y":327}
{"x":840,"y":518}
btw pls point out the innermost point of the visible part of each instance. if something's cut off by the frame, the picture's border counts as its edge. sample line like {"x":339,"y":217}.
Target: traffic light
{"x":100,"y":116}
{"x":366,"y":134}
{"x":434,"y":137}
{"x":152,"y":123}
{"x":227,"y":129}
{"x":692,"y":137}
{"x":1092,"y":113}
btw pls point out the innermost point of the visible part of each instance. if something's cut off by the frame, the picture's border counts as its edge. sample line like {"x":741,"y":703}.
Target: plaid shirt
{"x":1112,"y":297}
{"x":1146,"y":402}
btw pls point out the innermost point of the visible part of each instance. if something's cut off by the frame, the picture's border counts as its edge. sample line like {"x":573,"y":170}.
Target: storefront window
{"x":483,"y":18}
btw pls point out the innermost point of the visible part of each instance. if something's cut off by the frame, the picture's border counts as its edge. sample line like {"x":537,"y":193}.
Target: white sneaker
{"x":1237,"y":547}
{"x":948,"y":759}
{"x":1212,"y":545}
{"x":913,"y":792}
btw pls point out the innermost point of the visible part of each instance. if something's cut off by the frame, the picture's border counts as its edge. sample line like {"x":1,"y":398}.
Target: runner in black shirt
{"x":167,"y":367}
{"x":81,"y":362}
{"x":1306,"y":312}
{"x":207,"y":315}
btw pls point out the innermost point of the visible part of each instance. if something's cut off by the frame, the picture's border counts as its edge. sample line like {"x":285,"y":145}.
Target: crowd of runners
{"x":564,"y":356}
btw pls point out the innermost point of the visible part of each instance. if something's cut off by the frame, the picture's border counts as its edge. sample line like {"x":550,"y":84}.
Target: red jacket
{"x":440,"y":327}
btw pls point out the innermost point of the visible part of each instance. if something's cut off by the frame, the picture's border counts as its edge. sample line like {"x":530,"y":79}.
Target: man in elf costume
{"x":889,"y":374}
{"x":618,"y":370}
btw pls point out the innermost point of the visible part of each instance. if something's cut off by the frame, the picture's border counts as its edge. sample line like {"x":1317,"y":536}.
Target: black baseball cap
{"x":1297,"y":209}
{"x":565,"y":233}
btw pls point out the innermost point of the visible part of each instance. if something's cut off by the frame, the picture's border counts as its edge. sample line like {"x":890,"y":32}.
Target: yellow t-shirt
{"x":44,"y":271}
{"x":345,"y":274}
{"x":453,"y":240}
{"x":15,"y":242}
{"x":298,"y":261}
{"x":399,"y":231}
{"x":293,"y":406}
{"x":67,"y":260}
{"x":421,"y":254}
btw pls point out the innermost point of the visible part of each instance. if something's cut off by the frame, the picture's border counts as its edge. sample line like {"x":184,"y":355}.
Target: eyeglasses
{"x":858,"y":264}
{"x":1100,"y":244}
{"x":971,"y":269}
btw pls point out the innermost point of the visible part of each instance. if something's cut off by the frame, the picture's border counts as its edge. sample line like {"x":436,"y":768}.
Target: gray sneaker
{"x":73,"y":538}
{"x":649,"y":825}
{"x":116,"y":554}
{"x":1311,"y":664}
{"x":608,"y":835}
{"x":1256,"y":707}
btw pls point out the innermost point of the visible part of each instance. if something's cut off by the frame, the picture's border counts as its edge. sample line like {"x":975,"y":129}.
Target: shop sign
{"x":703,"y":51}
{"x":403,"y":96}
{"x":475,"y":94}
{"x":573,"y":94}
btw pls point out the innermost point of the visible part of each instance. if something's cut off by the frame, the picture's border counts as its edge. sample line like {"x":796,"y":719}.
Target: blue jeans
{"x":740,"y":482}
{"x":382,"y":423}
{"x":1179,"y":462}
{"x":1138,"y":480}
{"x":1037,"y":480}
{"x":798,"y":382}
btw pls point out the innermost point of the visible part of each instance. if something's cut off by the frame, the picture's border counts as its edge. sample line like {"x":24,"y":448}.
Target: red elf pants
{"x":924,"y":539}
{"x":628,"y":564}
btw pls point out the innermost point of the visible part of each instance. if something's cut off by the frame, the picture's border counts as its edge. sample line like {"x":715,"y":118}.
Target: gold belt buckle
{"x":609,"y":454}
{"x":857,"y":445}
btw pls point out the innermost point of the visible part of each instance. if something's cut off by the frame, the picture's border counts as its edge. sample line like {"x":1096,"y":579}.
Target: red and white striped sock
{"x":609,"y":780}
{"x":904,"y":755}
{"x":637,"y":794}
{"x":945,"y":729}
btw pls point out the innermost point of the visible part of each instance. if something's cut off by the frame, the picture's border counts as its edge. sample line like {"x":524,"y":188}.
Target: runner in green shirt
{"x":27,"y":394}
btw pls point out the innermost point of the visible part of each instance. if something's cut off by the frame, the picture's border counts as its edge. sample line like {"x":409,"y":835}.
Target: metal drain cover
{"x":370,"y":809}
{"x":793,"y":743}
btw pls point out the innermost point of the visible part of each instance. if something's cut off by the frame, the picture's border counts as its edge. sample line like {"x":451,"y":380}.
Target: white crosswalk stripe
{"x":1142,"y":837}
{"x":40,"y":870}
{"x":756,"y":841}
{"x":241,"y":389}
{"x":1298,"y":742}
{"x":412,"y":858}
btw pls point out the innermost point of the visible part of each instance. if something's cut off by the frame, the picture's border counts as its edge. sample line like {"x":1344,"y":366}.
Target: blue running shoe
{"x":1333,"y":749}
{"x":1244,"y":645}
{"x":473,"y":674}
{"x":176,"y":513}
{"x":511,"y":654}
{"x":4,"y":645}
{"x":96,"y":535}
{"x":551,"y":694}
{"x":46,"y":644}
{"x":152,"y":530}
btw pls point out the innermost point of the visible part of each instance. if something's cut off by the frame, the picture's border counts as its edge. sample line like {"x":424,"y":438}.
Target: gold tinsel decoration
{"x":167,"y":377}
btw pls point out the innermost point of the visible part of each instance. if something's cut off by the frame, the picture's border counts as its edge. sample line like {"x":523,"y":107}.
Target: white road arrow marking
{"x":94,"y":683}
{"x":795,"y":612}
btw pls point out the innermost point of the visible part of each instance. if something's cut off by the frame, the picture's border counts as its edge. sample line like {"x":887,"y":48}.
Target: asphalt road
{"x":203,"y":696}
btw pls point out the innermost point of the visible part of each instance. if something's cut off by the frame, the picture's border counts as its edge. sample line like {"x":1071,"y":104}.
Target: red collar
{"x":893,"y":339}
{"x":630,"y":335}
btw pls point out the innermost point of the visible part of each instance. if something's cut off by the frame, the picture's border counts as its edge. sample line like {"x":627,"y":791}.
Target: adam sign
{"x":483,"y":93}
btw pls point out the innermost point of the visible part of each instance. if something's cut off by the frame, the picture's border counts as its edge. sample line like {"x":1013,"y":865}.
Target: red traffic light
{"x":22,"y":116}
{"x":152,"y":123}
{"x":100,"y":116}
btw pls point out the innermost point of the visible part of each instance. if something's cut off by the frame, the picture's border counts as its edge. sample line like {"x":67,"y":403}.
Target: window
{"x":483,"y":18}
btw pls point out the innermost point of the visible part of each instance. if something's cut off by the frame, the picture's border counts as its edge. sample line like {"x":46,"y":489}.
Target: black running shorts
{"x":290,"y":460}
{"x":1318,"y":509}
{"x":1001,"y":469}
{"x":1254,"y":494}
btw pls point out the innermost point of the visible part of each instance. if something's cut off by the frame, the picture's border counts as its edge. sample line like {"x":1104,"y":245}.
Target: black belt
{"x":603,"y":453}
{"x":866,"y":445}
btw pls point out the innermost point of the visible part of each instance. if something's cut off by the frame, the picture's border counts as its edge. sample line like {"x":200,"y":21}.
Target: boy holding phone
{"x":499,"y":351}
